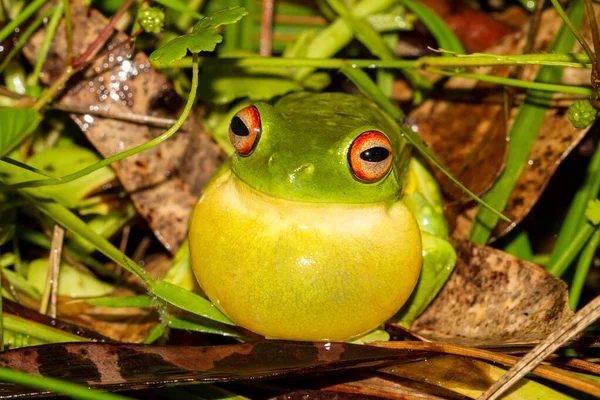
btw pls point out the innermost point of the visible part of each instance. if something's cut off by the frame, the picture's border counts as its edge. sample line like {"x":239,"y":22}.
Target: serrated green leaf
{"x":121,"y":301}
{"x":16,"y":124}
{"x":202,"y":38}
{"x":592,"y":212}
{"x":188,"y":301}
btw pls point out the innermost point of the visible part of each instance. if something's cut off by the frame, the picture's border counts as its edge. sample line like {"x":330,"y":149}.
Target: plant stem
{"x":575,"y":217}
{"x":548,"y":87}
{"x":583,"y":266}
{"x":22,"y":17}
{"x":567,"y":256}
{"x":108,"y":29}
{"x":61,"y":387}
{"x":48,"y":95}
{"x":575,"y":60}
{"x":68,"y":31}
{"x":46,"y":43}
{"x":574,"y":30}
{"x":33,"y":27}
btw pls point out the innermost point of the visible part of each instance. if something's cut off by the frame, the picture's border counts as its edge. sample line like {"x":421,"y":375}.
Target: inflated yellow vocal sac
{"x":313,"y":229}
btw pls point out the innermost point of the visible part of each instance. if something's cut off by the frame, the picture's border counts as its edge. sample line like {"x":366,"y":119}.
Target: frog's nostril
{"x":307,"y":168}
{"x":272,"y":161}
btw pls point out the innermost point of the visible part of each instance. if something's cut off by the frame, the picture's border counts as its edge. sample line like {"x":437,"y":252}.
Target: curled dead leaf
{"x":494,"y":298}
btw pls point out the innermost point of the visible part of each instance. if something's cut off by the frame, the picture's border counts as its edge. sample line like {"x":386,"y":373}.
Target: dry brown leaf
{"x":163,"y":181}
{"x":494,"y":298}
{"x":466,"y":129}
{"x":395,"y":387}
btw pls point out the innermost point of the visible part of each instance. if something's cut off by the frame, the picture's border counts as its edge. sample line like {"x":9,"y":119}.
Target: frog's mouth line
{"x":317,"y":203}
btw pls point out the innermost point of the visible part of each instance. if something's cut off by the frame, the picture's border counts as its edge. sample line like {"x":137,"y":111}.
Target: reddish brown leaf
{"x":122,"y":366}
{"x":494,"y":298}
{"x":163,"y":181}
{"x":477,"y":30}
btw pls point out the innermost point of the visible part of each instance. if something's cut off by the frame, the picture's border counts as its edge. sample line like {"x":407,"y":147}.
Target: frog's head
{"x":320,"y":148}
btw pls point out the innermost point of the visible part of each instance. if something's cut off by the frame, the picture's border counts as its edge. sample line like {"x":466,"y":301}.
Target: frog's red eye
{"x":370,"y":156}
{"x":245,"y":129}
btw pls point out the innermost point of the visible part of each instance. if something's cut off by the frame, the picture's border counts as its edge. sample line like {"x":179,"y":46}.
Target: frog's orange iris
{"x":370,"y":156}
{"x":245,"y":130}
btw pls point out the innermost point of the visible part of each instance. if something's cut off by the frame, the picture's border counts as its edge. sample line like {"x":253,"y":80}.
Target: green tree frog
{"x":321,"y":223}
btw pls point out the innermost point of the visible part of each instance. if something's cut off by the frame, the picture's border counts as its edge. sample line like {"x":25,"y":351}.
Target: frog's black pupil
{"x":375,"y":154}
{"x":238,"y":127}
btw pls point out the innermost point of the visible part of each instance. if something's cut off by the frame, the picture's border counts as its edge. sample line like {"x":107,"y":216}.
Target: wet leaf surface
{"x":494,"y":298}
{"x":122,"y":366}
{"x":163,"y":181}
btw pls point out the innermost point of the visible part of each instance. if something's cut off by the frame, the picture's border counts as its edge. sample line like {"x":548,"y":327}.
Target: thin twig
{"x":141,"y":249}
{"x":266,"y":28}
{"x":106,"y":32}
{"x":123,"y":246}
{"x":585,"y":317}
{"x":69,"y":31}
{"x":122,"y":116}
{"x":566,"y":378}
{"x":51,"y":291}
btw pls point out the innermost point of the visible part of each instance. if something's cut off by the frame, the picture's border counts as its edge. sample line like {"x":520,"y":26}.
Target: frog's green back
{"x":302,"y":153}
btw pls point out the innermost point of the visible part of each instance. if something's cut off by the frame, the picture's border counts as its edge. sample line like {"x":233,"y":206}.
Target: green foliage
{"x":16,"y":124}
{"x":151,"y":19}
{"x":444,"y":36}
{"x":188,"y":301}
{"x":61,"y":160}
{"x":121,"y":301}
{"x":523,"y":133}
{"x":180,"y":6}
{"x":71,"y":282}
{"x":592,"y":211}
{"x":202,"y":38}
{"x":581,"y":113}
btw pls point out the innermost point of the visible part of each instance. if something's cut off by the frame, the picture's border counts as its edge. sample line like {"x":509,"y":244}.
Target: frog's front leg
{"x":422,"y":195}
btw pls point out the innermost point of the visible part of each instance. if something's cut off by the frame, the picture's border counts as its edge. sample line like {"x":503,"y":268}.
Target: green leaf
{"x":16,"y":124}
{"x":61,"y":160}
{"x":44,"y":333}
{"x":71,"y":282}
{"x":592,"y":211}
{"x":28,"y":167}
{"x":121,"y":301}
{"x":443,"y":35}
{"x":188,"y":301}
{"x":178,"y":5}
{"x":202,"y":38}
{"x":202,"y":325}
